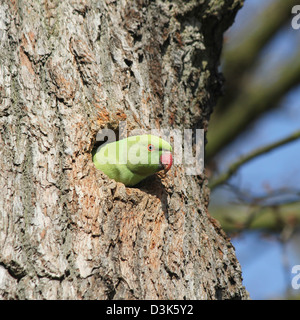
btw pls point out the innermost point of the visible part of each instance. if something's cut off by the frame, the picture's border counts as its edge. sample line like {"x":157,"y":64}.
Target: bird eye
{"x":150,"y":147}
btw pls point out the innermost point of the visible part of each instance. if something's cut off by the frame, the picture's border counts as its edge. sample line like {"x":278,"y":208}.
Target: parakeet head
{"x":133,"y":159}
{"x":148,"y":154}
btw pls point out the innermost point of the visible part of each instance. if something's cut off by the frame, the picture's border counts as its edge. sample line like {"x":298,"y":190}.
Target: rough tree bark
{"x":68,"y":69}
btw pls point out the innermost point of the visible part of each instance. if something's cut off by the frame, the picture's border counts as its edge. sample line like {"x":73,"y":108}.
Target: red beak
{"x":166,"y":160}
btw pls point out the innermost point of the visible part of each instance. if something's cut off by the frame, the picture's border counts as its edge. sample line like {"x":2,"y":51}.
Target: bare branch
{"x":236,"y":165}
{"x":249,"y":105}
{"x":242,"y":57}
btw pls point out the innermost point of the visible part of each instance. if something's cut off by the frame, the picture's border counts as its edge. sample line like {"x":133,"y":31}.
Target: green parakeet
{"x":133,"y":159}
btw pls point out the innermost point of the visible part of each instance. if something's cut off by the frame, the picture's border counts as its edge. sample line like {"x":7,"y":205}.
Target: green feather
{"x":129,"y":161}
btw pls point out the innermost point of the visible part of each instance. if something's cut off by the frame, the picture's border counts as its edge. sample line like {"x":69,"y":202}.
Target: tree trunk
{"x":69,"y":69}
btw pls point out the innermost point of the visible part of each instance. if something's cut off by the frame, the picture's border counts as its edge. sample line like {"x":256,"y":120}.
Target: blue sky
{"x":279,"y":168}
{"x":264,"y":274}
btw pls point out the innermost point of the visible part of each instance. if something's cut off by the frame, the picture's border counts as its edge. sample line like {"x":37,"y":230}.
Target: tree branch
{"x":249,"y":106}
{"x":241,"y":57}
{"x":239,"y":218}
{"x":236,"y":165}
